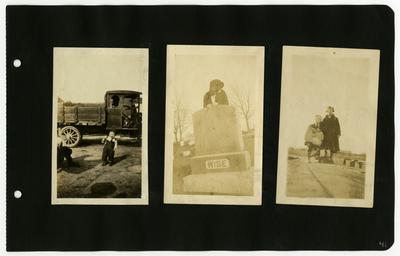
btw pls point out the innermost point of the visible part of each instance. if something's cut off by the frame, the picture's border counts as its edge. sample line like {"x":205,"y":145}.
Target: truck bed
{"x":80,"y":114}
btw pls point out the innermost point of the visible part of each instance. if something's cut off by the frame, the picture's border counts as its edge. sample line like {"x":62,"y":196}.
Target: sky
{"x":85,"y":74}
{"x":318,"y":82}
{"x":193,"y":74}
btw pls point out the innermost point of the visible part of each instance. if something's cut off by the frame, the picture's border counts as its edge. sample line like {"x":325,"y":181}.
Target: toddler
{"x":110,"y":145}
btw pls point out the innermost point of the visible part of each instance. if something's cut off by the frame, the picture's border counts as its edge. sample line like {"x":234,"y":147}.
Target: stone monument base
{"x":223,"y":183}
{"x":225,"y":162}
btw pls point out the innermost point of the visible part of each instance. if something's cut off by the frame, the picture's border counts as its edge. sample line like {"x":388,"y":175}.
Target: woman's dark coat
{"x":220,"y":98}
{"x":331,"y":128}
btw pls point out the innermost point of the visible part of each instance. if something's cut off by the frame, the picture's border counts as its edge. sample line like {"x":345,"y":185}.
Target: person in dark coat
{"x":331,"y":128}
{"x":215,"y":95}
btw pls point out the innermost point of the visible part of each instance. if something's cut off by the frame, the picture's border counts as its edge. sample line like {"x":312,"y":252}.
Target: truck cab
{"x":123,"y":110}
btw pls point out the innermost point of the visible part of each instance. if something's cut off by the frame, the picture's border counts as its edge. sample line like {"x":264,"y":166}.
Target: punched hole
{"x":17,"y":194}
{"x":17,"y":63}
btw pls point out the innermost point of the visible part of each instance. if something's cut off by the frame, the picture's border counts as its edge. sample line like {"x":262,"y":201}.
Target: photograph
{"x":214,"y":124}
{"x":100,"y":108}
{"x":328,"y":121}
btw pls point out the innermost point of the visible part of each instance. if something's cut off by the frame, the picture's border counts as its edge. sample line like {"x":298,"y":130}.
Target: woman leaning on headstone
{"x":215,"y":95}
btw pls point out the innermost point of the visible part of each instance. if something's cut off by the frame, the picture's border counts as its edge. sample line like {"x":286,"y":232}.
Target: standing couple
{"x":322,"y":137}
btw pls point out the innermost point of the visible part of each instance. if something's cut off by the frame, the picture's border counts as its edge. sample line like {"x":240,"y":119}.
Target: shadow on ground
{"x":92,"y":180}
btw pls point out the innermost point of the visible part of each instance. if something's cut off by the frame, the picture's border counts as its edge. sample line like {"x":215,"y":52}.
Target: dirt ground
{"x":92,"y":180}
{"x":323,"y":180}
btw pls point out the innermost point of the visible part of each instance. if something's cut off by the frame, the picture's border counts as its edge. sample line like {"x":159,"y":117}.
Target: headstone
{"x":227,"y":183}
{"x":221,"y":164}
{"x":231,"y":161}
{"x":217,"y":130}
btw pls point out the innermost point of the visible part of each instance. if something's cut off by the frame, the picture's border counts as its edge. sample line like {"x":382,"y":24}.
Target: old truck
{"x":120,"y":112}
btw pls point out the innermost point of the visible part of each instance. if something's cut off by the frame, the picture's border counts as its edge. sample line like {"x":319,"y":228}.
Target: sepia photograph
{"x":214,"y":124}
{"x":99,"y":130}
{"x":328,"y":122}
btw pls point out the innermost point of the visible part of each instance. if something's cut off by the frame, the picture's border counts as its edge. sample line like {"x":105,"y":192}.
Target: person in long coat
{"x":215,"y":95}
{"x":331,"y":128}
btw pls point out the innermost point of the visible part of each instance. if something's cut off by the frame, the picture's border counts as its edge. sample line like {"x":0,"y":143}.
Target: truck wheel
{"x":72,"y":136}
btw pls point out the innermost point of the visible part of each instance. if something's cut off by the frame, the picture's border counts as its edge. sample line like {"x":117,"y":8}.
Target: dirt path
{"x":91,"y":179}
{"x":324,"y":180}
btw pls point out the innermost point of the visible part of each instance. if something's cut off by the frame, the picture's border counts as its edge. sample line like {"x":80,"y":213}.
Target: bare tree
{"x":242,"y":100}
{"x":181,"y":115}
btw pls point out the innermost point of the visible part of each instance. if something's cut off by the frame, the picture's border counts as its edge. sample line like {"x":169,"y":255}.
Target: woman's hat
{"x":331,"y":108}
{"x":217,"y":84}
